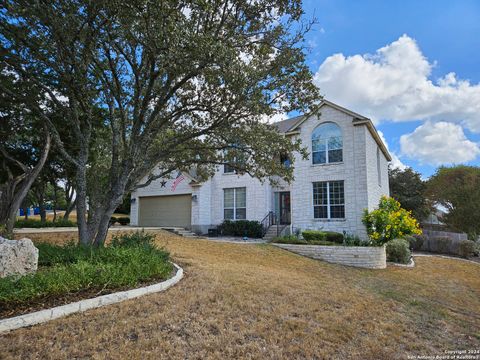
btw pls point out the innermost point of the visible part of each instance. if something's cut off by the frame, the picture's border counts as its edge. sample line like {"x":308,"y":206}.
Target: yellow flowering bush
{"x":389,"y":221}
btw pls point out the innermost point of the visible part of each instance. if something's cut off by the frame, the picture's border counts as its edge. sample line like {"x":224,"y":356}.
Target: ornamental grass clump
{"x":389,"y":221}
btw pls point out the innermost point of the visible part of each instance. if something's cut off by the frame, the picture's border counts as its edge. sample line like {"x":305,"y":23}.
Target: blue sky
{"x":423,"y":42}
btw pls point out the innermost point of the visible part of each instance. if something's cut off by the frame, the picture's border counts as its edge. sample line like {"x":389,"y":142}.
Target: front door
{"x":284,"y":203}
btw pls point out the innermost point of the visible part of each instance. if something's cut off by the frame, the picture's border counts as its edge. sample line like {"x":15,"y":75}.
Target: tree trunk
{"x":103,"y":224}
{"x":18,"y":189}
{"x":83,"y":231}
{"x":69,"y":209}
{"x":54,"y":202}
{"x":43,"y":213}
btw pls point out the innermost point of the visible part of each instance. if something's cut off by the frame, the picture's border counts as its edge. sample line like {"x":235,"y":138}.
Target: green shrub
{"x":353,"y":240}
{"x":74,"y":268}
{"x":35,"y":223}
{"x":398,"y":251}
{"x":466,"y":248}
{"x":289,"y":239}
{"x":334,"y":237}
{"x":314,"y":235}
{"x":123,"y":220}
{"x":389,"y":221}
{"x":251,"y":229}
{"x":476,"y":248}
{"x":113,"y":220}
{"x":132,"y":239}
{"x":415,"y":241}
{"x":292,"y":239}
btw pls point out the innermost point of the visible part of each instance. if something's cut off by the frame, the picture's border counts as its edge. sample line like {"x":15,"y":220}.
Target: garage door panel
{"x":174,"y":210}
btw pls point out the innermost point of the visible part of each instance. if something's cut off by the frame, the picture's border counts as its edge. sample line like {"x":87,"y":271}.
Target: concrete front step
{"x":272,"y":232}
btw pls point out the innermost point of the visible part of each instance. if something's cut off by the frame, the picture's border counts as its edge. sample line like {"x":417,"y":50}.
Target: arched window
{"x":327,"y":144}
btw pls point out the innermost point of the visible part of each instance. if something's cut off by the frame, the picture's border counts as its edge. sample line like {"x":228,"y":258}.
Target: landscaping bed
{"x":335,"y":247}
{"x":70,"y":273}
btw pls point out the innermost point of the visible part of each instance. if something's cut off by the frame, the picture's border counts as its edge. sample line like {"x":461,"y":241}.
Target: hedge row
{"x":251,"y":229}
{"x":35,"y":223}
{"x":316,"y":235}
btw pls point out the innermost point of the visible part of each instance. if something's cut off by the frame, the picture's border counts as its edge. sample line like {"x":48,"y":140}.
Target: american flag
{"x":177,"y":181}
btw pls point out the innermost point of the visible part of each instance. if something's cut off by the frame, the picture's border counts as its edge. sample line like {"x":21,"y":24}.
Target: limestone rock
{"x":17,"y":257}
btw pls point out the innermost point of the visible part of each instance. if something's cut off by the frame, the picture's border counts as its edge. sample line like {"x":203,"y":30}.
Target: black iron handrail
{"x":268,"y":221}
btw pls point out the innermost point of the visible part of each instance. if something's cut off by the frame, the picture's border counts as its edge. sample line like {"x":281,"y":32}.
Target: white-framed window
{"x":327,"y":144}
{"x":235,"y":203}
{"x":235,"y":157}
{"x":379,"y":169}
{"x":328,"y":200}
{"x":227,"y":169}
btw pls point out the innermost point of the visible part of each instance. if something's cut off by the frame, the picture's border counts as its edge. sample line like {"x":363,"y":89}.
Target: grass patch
{"x":130,"y":260}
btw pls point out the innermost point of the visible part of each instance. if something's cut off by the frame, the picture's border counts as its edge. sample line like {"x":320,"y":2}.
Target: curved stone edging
{"x":42,"y":316}
{"x":411,"y":264}
{"x":370,"y":257}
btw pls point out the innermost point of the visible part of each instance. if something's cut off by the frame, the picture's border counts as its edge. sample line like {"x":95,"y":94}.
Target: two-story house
{"x":346,"y":172}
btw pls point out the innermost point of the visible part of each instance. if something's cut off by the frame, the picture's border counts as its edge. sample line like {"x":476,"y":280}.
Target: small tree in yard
{"x":389,"y":222}
{"x":146,"y":84}
{"x":408,"y":188}
{"x":458,"y":190}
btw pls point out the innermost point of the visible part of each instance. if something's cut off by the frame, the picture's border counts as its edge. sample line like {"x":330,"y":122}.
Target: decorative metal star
{"x":163,"y":183}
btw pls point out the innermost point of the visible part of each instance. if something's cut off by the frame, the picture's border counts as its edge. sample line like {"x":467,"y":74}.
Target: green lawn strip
{"x":36,"y":223}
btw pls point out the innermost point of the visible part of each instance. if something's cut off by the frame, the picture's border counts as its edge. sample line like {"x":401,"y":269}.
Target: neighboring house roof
{"x":290,"y":125}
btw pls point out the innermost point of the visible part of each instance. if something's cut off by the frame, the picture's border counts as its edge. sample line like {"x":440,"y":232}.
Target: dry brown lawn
{"x":260,"y":302}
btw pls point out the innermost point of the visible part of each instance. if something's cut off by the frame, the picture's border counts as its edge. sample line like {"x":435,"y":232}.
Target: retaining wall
{"x":358,"y":256}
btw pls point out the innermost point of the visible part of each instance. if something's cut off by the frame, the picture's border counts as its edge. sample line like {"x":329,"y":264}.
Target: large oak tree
{"x":146,"y":84}
{"x":457,"y":189}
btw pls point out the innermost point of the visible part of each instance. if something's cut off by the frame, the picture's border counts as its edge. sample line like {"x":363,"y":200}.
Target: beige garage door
{"x":174,"y":210}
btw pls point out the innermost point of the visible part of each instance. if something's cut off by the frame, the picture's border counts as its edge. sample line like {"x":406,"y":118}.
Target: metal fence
{"x":449,"y":234}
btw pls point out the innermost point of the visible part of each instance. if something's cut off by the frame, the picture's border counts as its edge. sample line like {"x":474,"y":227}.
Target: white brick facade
{"x":358,"y":170}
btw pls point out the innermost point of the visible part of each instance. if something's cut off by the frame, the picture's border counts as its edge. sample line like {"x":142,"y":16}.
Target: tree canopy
{"x":457,"y":189}
{"x":144,"y":84}
{"x":408,"y":188}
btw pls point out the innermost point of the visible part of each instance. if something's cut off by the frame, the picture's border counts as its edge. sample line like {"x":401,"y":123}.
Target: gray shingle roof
{"x":285,"y":125}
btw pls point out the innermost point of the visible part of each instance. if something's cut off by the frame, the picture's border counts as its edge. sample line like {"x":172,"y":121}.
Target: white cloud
{"x":274,"y":118}
{"x":394,"y":84}
{"x":396,"y":163}
{"x":439,"y":143}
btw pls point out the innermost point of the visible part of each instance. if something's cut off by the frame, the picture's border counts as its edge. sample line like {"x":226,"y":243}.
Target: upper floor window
{"x":285,"y":160}
{"x":327,"y":144}
{"x":227,"y":169}
{"x":234,"y":158}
